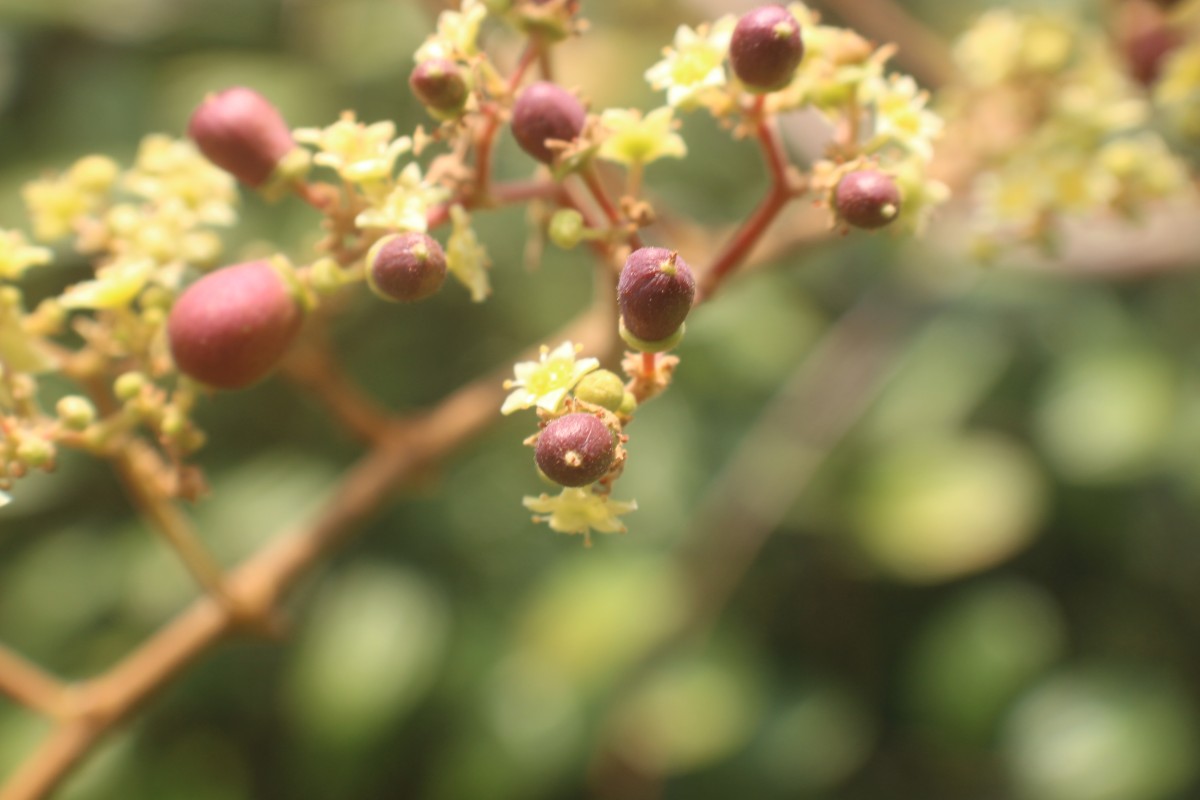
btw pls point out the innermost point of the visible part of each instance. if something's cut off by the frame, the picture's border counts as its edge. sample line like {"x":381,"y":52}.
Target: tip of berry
{"x":668,"y":267}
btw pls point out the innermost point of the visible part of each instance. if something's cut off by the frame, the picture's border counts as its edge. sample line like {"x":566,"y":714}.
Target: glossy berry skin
{"x":439,"y":84}
{"x":766,"y":48}
{"x":655,"y":293}
{"x":546,"y":111}
{"x":867,"y":199}
{"x":406,"y":267}
{"x":231,"y":327}
{"x":242,"y":133}
{"x":575,"y":450}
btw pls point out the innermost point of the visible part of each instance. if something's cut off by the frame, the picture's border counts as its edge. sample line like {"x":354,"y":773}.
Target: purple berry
{"x":867,"y":199}
{"x":439,"y":84}
{"x":766,"y":48}
{"x":546,"y":111}
{"x":655,"y":293}
{"x":575,"y":450}
{"x":1146,"y":51}
{"x":232,"y":326}
{"x":406,"y":267}
{"x":242,"y":133}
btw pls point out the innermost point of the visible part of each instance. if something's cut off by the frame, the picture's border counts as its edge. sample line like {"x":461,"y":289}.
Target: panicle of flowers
{"x":55,"y":203}
{"x":1080,"y":140}
{"x":171,"y":173}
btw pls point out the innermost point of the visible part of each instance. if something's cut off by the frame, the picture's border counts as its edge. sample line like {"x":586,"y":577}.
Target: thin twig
{"x":30,"y":685}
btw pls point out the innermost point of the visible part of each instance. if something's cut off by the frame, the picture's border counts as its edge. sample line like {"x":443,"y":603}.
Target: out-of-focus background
{"x":940,"y":521}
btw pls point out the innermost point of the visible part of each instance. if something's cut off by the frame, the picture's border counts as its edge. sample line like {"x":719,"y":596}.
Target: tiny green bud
{"x":35,"y":452}
{"x":326,"y":276}
{"x":129,"y":385}
{"x":628,"y":405}
{"x":76,"y":412}
{"x":566,"y":228}
{"x":601,"y":388}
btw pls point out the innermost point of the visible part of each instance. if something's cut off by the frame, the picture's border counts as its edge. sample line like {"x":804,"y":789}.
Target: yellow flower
{"x":20,"y":351}
{"x":56,"y":203}
{"x":405,"y":207}
{"x":360,"y":153}
{"x":115,"y":286}
{"x":16,"y":255}
{"x":580,"y":511}
{"x":172,"y":172}
{"x":466,"y":258}
{"x":457,"y":33}
{"x":545,"y":382}
{"x":695,"y":66}
{"x":634,"y":139}
{"x":901,"y":116}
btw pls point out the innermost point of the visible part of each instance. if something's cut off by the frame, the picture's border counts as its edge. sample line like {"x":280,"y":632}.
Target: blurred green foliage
{"x":989,"y":589}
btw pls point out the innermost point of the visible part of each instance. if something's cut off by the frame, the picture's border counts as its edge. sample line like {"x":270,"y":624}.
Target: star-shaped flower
{"x":360,"y":153}
{"x":580,"y":511}
{"x":634,"y":139}
{"x":695,"y":65}
{"x":545,"y":382}
{"x":901,"y":115}
{"x":406,"y":206}
{"x":457,"y":33}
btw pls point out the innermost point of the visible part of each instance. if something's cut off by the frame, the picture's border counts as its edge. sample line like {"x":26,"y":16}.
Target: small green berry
{"x":601,"y":388}
{"x":566,"y":228}
{"x":76,"y":412}
{"x":129,"y":385}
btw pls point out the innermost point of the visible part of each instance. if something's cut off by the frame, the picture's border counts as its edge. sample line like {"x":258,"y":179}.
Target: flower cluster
{"x":1077,"y":136}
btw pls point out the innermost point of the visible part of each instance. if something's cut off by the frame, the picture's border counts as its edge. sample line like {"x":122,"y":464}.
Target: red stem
{"x":487,"y":138}
{"x":592,"y":180}
{"x":739,"y":246}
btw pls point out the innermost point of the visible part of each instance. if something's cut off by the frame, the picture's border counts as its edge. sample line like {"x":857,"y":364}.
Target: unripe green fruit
{"x":242,"y":133}
{"x":76,"y":412}
{"x":546,"y":111}
{"x":406,"y":267}
{"x":231,"y":327}
{"x":575,"y":450}
{"x":655,"y":293}
{"x":601,"y":388}
{"x":867,"y":199}
{"x":566,"y":228}
{"x":766,"y":48}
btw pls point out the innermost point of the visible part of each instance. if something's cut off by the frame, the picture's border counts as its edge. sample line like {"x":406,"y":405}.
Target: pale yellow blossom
{"x":633,"y":139}
{"x":580,"y":511}
{"x":17,"y":255}
{"x":115,"y":286}
{"x":694,"y":67}
{"x":360,"y":153}
{"x":466,"y":258}
{"x":56,"y":203}
{"x":901,"y":116}
{"x":545,"y":382}
{"x":457,"y":34}
{"x":405,"y":207}
{"x":171,"y":171}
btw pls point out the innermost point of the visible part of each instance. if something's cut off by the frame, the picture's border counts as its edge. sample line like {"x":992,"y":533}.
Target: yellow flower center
{"x":556,"y":373}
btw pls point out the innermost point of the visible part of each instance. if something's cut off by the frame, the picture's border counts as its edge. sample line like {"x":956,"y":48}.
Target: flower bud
{"x":655,"y":293}
{"x":575,"y":450}
{"x":129,"y":385}
{"x":867,"y":199}
{"x":440,"y":85}
{"x":231,"y":327}
{"x":406,"y":267}
{"x":566,"y":228}
{"x":601,"y":388}
{"x":543,"y":112}
{"x":766,"y":48}
{"x":242,"y":133}
{"x":76,"y":412}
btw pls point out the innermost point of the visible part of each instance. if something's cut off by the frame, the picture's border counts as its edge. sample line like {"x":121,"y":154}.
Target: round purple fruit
{"x":655,"y":293}
{"x":575,"y":450}
{"x":242,"y":133}
{"x":545,"y":111}
{"x":766,"y":48}
{"x":439,"y":84}
{"x":867,"y":199}
{"x":406,"y":267}
{"x":231,"y":327}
